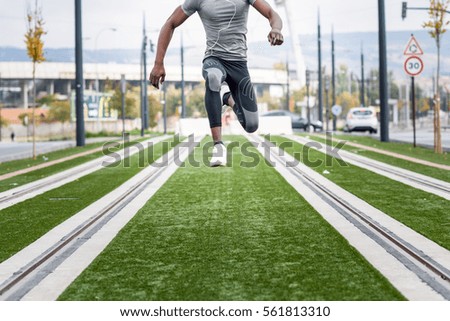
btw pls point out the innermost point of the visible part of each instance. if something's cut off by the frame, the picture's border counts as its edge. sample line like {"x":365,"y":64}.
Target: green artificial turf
{"x":234,"y":233}
{"x":425,"y":213}
{"x":437,"y":173}
{"x":25,"y":222}
{"x":26,"y":178}
{"x":397,"y":147}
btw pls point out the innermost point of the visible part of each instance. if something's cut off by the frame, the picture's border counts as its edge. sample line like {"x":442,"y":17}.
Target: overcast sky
{"x":126,"y":17}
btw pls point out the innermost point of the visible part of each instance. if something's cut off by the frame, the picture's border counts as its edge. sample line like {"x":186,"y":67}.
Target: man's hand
{"x":275,"y":37}
{"x":158,"y":75}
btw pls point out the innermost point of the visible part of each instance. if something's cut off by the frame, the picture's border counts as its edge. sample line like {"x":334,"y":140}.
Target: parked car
{"x":298,"y":122}
{"x":361,"y":119}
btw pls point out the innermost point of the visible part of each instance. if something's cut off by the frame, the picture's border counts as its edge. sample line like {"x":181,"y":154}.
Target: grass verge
{"x":400,"y":148}
{"x":25,"y":222}
{"x":425,"y":213}
{"x":437,"y":173}
{"x":234,"y":233}
{"x":26,"y":178}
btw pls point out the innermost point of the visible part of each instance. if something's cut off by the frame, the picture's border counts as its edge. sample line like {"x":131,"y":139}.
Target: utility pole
{"x":319,"y":45}
{"x":144,"y":58}
{"x":123,"y":89}
{"x":308,"y":80}
{"x":363,"y":93}
{"x":327,"y":106}
{"x":288,"y":85}
{"x":384,"y":106}
{"x":1,"y":105}
{"x":144,"y":81}
{"x":333,"y":78}
{"x":183,"y":99}
{"x":79,"y":81}
{"x":165,"y":108}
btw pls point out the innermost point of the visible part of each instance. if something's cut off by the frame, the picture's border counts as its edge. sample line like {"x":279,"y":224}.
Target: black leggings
{"x":235,"y":73}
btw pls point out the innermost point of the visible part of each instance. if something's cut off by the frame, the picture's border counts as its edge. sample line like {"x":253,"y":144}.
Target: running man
{"x":225,"y":23}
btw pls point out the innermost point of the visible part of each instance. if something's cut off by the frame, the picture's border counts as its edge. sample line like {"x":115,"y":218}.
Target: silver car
{"x":362,"y":119}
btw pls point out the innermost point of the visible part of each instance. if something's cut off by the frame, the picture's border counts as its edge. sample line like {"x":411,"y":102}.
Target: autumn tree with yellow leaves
{"x":35,"y":50}
{"x":436,"y":25}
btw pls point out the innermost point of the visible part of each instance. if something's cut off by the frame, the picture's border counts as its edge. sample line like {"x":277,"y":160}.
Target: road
{"x":18,"y":150}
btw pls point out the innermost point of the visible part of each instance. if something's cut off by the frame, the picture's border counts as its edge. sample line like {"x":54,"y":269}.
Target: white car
{"x":362,"y":119}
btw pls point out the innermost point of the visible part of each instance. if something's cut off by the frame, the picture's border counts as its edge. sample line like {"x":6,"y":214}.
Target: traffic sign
{"x":413,"y":66}
{"x":336,"y":110}
{"x":413,"y":48}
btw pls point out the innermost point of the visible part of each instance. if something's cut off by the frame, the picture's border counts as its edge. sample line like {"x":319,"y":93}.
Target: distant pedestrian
{"x":12,"y":136}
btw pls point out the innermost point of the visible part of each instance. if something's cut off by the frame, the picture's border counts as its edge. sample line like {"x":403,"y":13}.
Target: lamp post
{"x":308,"y":81}
{"x":333,"y":77}
{"x":384,"y":106}
{"x":79,"y":81}
{"x":1,"y":102}
{"x":327,"y":106}
{"x":123,"y":89}
{"x":97,"y":85}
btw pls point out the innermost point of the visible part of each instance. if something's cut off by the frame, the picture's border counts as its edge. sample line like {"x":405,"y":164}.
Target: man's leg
{"x":242,"y":97}
{"x":215,"y":74}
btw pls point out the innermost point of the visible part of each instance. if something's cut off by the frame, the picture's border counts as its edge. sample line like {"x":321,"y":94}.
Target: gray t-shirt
{"x":225,"y":23}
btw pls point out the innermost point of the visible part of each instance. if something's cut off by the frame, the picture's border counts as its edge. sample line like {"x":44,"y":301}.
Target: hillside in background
{"x":348,"y":48}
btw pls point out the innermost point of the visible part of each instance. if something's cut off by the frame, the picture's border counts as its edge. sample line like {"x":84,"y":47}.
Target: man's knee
{"x":214,"y":79}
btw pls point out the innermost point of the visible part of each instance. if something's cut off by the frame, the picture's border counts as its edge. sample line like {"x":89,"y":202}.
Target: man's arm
{"x":275,"y":36}
{"x":158,"y":73}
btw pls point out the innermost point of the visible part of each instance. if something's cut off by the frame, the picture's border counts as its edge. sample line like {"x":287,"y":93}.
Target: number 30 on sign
{"x":413,"y":66}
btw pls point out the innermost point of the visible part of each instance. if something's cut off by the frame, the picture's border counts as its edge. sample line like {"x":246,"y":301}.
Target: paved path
{"x":424,"y":137}
{"x":18,"y":150}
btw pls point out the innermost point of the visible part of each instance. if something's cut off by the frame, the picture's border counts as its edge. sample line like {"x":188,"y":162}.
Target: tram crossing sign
{"x":413,"y":48}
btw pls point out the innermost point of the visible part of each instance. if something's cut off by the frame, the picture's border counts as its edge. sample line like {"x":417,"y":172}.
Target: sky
{"x":126,"y":16}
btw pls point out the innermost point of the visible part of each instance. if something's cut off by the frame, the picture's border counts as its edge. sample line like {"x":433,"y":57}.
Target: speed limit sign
{"x":413,"y":66}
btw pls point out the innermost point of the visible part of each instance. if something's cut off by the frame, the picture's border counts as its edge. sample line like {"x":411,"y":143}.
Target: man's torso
{"x":225,"y":23}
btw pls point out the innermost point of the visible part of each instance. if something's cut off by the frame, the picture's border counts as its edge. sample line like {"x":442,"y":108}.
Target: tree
{"x":154,"y":106}
{"x":437,"y":24}
{"x":347,"y":101}
{"x":35,"y":50}
{"x":59,"y":112}
{"x":196,"y":102}
{"x":131,"y":109}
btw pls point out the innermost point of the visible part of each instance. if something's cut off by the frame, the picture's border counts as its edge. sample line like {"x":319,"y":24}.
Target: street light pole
{"x":319,"y":45}
{"x":79,"y":81}
{"x":288,"y":85}
{"x":308,"y":79}
{"x":165,"y":108}
{"x":123,"y":88}
{"x":384,"y":106}
{"x":183,"y":98}
{"x":1,"y":102}
{"x":363,"y":94}
{"x":97,"y":81}
{"x":333,"y":78}
{"x":327,"y":106}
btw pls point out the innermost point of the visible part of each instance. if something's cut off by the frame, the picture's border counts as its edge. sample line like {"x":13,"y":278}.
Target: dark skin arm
{"x":275,"y":36}
{"x":158,"y":73}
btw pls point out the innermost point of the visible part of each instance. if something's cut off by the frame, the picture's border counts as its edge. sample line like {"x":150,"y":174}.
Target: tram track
{"x":30,"y":190}
{"x":418,"y":267}
{"x":422,"y":182}
{"x":40,"y":261}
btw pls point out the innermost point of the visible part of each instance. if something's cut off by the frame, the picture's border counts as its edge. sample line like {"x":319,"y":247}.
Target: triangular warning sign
{"x":413,"y":48}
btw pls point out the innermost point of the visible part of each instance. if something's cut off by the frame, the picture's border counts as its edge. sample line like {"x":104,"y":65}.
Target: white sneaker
{"x":219,"y":155}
